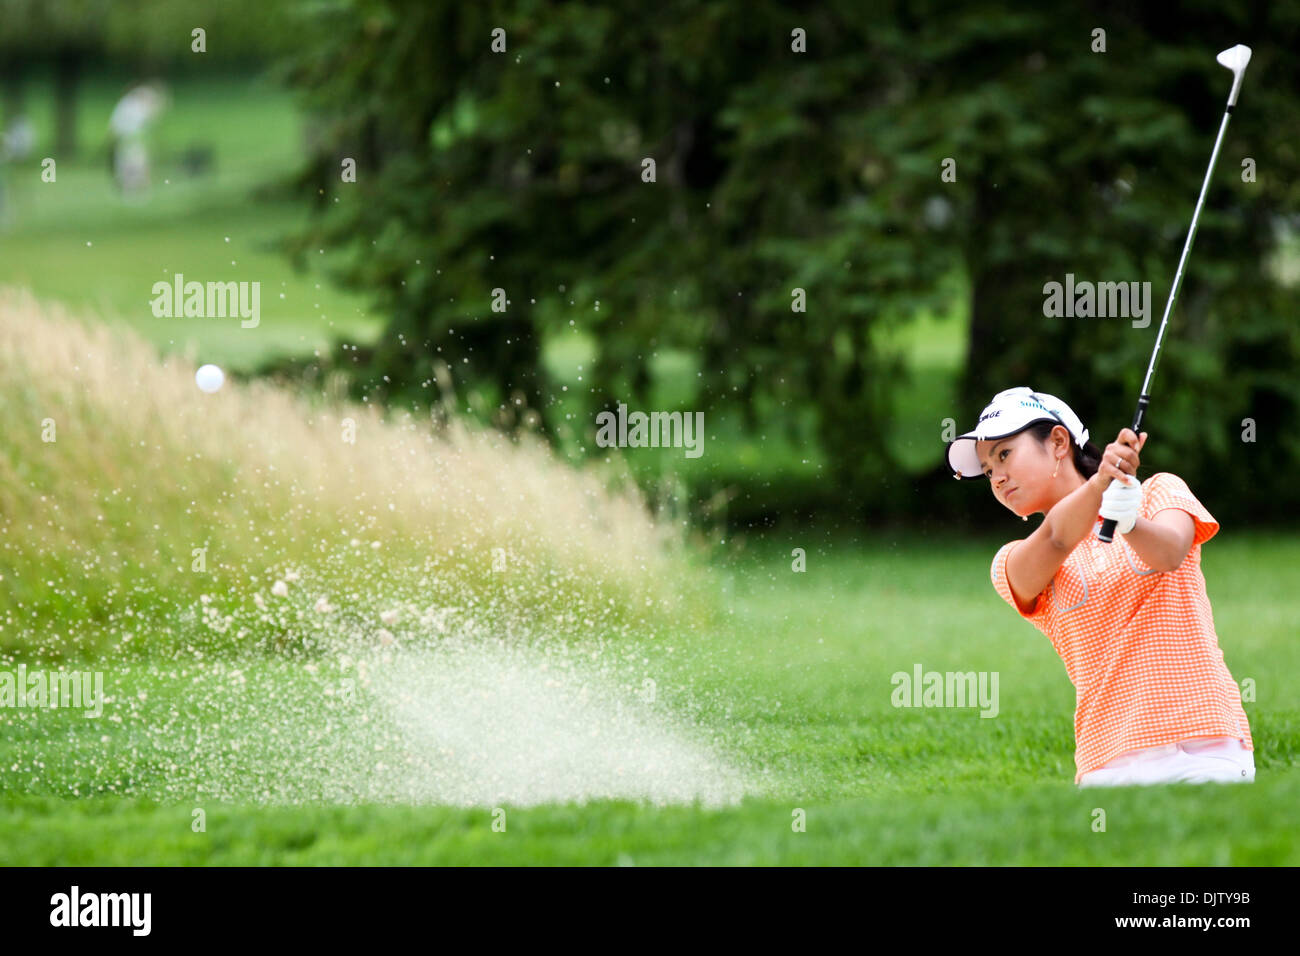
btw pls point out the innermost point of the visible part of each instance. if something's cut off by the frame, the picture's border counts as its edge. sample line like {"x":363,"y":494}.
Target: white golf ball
{"x":209,"y":378}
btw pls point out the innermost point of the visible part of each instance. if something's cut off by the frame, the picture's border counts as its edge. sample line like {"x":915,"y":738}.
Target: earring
{"x":1057,"y":468}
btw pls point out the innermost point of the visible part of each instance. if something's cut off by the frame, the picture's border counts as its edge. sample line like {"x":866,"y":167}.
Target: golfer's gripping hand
{"x":1120,"y":458}
{"x":1121,"y":499}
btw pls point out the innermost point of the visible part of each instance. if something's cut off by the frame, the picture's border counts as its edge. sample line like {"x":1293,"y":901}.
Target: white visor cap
{"x":1010,"y":411}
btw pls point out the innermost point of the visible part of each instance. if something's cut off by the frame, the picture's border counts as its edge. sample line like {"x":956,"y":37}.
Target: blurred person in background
{"x":131,"y":118}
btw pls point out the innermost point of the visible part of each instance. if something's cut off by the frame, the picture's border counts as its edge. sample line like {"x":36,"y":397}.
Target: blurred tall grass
{"x":98,"y":528}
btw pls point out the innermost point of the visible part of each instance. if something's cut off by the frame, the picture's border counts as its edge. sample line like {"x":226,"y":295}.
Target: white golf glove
{"x":1123,"y":502}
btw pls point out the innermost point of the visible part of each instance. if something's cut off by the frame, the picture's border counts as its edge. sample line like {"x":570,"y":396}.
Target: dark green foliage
{"x":778,"y":171}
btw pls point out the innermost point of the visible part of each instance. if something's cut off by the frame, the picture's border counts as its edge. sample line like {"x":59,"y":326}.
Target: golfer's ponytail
{"x":1086,"y":459}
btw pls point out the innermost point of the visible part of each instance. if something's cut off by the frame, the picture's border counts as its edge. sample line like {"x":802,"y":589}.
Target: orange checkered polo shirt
{"x":1139,"y":645}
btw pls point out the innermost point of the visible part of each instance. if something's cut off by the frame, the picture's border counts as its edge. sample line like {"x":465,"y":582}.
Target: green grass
{"x":1048,"y":825}
{"x":76,"y":241}
{"x":797,"y":681}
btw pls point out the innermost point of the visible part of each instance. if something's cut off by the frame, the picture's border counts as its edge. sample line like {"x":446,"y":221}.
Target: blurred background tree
{"x":778,"y":170}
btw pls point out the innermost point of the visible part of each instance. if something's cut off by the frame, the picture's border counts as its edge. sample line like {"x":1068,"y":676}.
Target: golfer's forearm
{"x":1071,"y":519}
{"x":1155,"y":544}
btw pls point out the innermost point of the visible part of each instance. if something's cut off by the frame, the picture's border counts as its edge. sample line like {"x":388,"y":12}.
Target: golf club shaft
{"x":1107,"y":532}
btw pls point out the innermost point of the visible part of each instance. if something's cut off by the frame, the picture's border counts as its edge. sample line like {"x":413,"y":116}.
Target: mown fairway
{"x":795,"y":686}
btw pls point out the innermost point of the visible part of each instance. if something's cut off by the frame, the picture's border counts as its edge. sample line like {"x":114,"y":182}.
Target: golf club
{"x":1235,"y":59}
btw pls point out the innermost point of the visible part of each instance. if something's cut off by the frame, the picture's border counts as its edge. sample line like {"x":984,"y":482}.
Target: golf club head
{"x":1235,"y":58}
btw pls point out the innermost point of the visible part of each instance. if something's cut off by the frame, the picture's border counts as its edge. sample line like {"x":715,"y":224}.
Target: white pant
{"x":1197,"y":760}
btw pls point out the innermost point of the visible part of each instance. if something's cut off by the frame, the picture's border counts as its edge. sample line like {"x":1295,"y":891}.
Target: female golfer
{"x":1131,"y":620}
